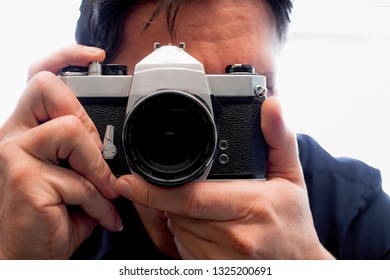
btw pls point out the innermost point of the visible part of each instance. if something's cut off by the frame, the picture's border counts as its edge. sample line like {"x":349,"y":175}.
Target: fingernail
{"x":119,"y":224}
{"x":170,"y":224}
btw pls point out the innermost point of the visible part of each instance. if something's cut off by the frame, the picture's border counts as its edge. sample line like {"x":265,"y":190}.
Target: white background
{"x":333,"y":79}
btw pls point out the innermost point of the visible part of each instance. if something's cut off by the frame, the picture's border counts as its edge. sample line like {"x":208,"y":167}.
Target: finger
{"x":203,"y":229}
{"x":206,"y":230}
{"x":205,"y":239}
{"x":71,"y":55}
{"x":283,"y":159}
{"x":47,"y":97}
{"x":183,"y":252}
{"x":66,"y":138}
{"x":192,"y":247}
{"x":82,"y":226}
{"x":155,"y":223}
{"x":67,"y":187}
{"x":203,"y":200}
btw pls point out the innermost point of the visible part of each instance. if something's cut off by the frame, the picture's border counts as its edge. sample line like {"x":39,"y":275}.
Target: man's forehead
{"x":227,"y":28}
{"x":216,"y":36}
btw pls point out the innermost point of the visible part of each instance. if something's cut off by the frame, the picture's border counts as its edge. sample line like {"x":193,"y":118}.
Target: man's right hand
{"x":46,"y":210}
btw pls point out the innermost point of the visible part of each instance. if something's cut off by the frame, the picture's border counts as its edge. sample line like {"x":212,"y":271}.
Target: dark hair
{"x":101,"y":21}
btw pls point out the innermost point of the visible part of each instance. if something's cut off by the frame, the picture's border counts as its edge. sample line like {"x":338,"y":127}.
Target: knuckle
{"x":17,"y":184}
{"x":14,"y":172}
{"x":246,"y":246}
{"x":242,"y":243}
{"x":148,"y":195}
{"x":42,"y":85}
{"x":43,"y":79}
{"x":100,"y":165}
{"x":84,"y":118}
{"x":89,"y":190}
{"x":72,"y":127}
{"x":194,"y":205}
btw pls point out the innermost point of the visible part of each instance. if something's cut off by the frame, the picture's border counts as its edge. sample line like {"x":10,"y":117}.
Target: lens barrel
{"x":169,"y":138}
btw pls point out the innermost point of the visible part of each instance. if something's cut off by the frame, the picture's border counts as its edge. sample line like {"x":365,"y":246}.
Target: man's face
{"x":217,"y":33}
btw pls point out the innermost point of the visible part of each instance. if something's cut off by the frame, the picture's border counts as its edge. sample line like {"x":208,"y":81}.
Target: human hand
{"x":240,"y":219}
{"x":155,"y":223}
{"x":46,"y":210}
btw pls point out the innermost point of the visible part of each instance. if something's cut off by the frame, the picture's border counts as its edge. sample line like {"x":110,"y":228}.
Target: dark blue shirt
{"x":351,"y":212}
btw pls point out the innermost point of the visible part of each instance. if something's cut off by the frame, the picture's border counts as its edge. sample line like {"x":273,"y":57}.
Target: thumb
{"x":283,"y":159}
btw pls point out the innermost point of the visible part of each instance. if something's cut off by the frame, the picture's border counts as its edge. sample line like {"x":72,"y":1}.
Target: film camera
{"x":170,"y":122}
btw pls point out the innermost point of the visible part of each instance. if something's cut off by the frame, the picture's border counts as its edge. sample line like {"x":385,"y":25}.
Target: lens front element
{"x":169,"y":138}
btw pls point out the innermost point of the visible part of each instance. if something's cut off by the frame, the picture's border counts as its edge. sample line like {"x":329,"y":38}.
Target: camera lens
{"x":169,"y":138}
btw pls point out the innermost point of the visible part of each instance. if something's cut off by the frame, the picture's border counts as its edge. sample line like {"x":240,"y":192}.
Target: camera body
{"x":170,"y":122}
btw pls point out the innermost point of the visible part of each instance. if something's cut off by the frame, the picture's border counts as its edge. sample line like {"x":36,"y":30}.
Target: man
{"x":226,"y":220}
